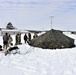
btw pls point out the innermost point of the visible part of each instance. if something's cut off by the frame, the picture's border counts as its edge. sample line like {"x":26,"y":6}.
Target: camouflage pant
{"x":5,"y":44}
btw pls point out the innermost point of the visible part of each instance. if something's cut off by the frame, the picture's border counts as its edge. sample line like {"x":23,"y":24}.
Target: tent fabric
{"x":53,"y":39}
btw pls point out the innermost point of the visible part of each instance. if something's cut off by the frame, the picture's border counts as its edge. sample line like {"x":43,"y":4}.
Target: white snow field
{"x":37,"y":61}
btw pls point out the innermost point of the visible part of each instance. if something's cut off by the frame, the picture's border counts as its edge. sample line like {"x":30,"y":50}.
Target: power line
{"x":51,"y":21}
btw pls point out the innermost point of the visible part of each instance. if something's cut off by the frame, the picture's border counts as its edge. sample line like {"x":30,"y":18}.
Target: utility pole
{"x":51,"y":20}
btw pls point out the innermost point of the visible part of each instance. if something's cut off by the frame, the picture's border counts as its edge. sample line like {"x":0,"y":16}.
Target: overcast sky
{"x":35,"y":14}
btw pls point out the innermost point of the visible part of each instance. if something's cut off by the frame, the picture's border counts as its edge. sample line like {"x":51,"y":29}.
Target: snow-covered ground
{"x":37,"y":61}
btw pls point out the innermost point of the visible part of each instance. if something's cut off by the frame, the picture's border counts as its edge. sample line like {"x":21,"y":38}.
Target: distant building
{"x":12,"y":31}
{"x":9,"y":31}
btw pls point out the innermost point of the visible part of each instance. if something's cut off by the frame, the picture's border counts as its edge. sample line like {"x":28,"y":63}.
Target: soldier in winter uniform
{"x":29,"y":37}
{"x":35,"y":35}
{"x":10,"y":40}
{"x":18,"y":39}
{"x":25,"y":38}
{"x":5,"y":40}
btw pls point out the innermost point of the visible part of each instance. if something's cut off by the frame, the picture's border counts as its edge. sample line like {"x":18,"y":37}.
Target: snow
{"x":38,"y":61}
{"x":9,"y":71}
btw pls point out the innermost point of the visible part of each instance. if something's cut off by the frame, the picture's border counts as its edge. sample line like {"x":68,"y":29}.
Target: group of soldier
{"x":7,"y":39}
{"x":27,"y":39}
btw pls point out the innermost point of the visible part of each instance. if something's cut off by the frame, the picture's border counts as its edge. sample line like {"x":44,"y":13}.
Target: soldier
{"x":29,"y":37}
{"x":10,"y":40}
{"x":25,"y":38}
{"x":5,"y":40}
{"x":18,"y":39}
{"x":35,"y":35}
